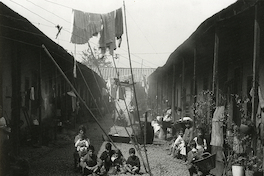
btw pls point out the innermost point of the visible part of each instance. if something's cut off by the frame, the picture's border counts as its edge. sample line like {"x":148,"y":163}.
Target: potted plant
{"x":238,"y":162}
{"x":246,"y":126}
{"x":253,"y":166}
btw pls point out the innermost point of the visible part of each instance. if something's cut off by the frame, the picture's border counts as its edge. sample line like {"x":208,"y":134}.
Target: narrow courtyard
{"x":57,"y":159}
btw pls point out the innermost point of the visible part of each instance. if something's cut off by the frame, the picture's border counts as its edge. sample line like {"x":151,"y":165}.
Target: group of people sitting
{"x":189,"y":148}
{"x":110,"y":162}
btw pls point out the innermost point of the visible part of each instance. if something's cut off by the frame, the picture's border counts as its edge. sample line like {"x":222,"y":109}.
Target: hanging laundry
{"x":32,"y":93}
{"x":85,"y":25}
{"x":107,"y":38}
{"x":79,"y":29}
{"x":119,"y":25}
{"x":120,"y":93}
{"x":94,"y":24}
{"x":74,"y":68}
{"x":108,"y":85}
{"x":145,"y":84}
{"x":217,"y":127}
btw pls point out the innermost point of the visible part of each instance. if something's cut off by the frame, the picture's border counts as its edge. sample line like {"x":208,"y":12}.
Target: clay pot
{"x":238,"y":170}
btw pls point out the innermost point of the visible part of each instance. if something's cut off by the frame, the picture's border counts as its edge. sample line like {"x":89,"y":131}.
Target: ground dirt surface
{"x":56,"y":159}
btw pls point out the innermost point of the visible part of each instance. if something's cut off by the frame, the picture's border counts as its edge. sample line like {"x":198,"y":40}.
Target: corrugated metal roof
{"x":111,"y":72}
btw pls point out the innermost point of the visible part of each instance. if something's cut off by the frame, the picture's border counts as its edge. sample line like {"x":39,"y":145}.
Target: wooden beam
{"x":215,"y":67}
{"x":182,"y":88}
{"x":194,"y":91}
{"x":173,"y":94}
{"x":255,"y":72}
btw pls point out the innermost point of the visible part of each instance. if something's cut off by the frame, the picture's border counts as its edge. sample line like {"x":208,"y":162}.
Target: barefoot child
{"x":105,"y":158}
{"x":177,"y":148}
{"x":90,"y":162}
{"x":133,"y":162}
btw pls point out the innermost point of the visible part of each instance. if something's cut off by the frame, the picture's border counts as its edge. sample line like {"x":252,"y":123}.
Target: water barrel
{"x":139,"y":134}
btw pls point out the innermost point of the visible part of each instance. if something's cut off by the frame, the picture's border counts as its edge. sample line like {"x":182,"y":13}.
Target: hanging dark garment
{"x":85,"y":25}
{"x":107,"y":38}
{"x":119,"y":25}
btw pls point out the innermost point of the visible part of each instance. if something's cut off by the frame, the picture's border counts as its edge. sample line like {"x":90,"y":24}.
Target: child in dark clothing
{"x":105,"y":158}
{"x":119,"y":161}
{"x":191,"y":157}
{"x":90,"y":162}
{"x":201,"y":144}
{"x":133,"y":162}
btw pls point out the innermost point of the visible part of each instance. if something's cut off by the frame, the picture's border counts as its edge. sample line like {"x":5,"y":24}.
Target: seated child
{"x":191,"y":157}
{"x":133,"y":162}
{"x":118,"y":162}
{"x":82,"y":145}
{"x":178,"y":146}
{"x":201,"y":144}
{"x":77,"y":154}
{"x":105,"y":158}
{"x":81,"y":133}
{"x":89,"y":162}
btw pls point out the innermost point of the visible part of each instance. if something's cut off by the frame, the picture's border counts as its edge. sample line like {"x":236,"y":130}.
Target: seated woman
{"x":167,"y":121}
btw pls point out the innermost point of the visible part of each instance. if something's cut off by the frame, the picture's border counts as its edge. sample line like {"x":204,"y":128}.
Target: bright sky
{"x":155,"y":27}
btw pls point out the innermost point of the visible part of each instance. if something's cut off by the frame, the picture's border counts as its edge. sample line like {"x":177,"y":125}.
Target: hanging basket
{"x":238,"y":170}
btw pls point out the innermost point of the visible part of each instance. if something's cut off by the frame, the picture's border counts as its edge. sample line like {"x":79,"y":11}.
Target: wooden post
{"x":145,"y":128}
{"x":255,"y":72}
{"x":16,"y":98}
{"x":194,"y":81}
{"x":182,"y":89}
{"x":173,"y":94}
{"x":215,"y":68}
{"x":40,"y":100}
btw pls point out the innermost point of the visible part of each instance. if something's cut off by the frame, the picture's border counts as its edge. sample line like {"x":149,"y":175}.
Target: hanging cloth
{"x":79,"y":29}
{"x":32,"y":93}
{"x":85,"y":25}
{"x":107,"y":38}
{"x":94,"y":24}
{"x":119,"y":26}
{"x":217,"y":137}
{"x":120,"y":93}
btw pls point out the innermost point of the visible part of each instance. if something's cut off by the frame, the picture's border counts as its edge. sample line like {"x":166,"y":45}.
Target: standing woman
{"x":167,"y":121}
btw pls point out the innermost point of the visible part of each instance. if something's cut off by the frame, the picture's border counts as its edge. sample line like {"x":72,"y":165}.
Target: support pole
{"x":194,"y":82}
{"x":215,"y":68}
{"x":149,"y":171}
{"x":182,"y":88}
{"x":255,"y":73}
{"x":77,"y":94}
{"x":16,"y":99}
{"x":173,"y":94}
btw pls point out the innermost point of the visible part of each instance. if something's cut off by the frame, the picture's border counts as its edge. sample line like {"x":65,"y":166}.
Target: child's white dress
{"x":180,"y":144}
{"x":82,"y":145}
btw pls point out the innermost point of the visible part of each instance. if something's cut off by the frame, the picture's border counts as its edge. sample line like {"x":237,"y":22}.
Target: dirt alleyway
{"x":57,"y":158}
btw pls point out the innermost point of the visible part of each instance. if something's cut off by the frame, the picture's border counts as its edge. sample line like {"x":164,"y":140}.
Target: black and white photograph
{"x":131,"y":87}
